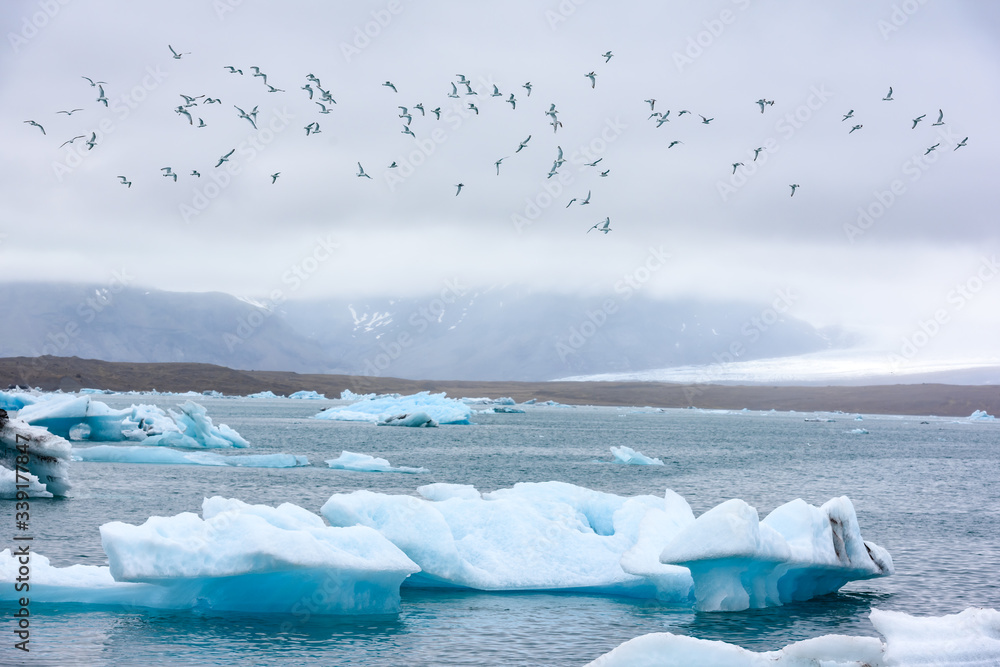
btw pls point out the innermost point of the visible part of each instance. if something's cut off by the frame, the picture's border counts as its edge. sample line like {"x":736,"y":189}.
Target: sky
{"x":879,"y":238}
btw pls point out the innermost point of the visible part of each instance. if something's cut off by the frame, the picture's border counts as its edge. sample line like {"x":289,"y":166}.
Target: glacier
{"x":237,"y":557}
{"x":366,"y":463}
{"x":558,"y":536}
{"x":438,"y":407}
{"x":971,"y":637}
{"x":47,"y":458}
{"x":629,"y":456}
{"x":143,"y":454}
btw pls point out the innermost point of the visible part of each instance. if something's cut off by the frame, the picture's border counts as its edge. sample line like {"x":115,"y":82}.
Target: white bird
{"x":80,"y":136}
{"x":168,"y":173}
{"x":962,"y":143}
{"x":454,"y":90}
{"x":361,"y":172}
{"x":407,"y":130}
{"x":194,"y":172}
{"x":274,"y":177}
{"x":323,"y":108}
{"x":437,"y":112}
{"x":607,"y":56}
{"x":527,"y":86}
{"x":571,"y":202}
{"x":473,"y":107}
{"x":468,"y":89}
{"x":917,"y":120}
{"x":496,"y":92}
{"x":181,"y":111}
{"x":674,"y":143}
{"x":661,"y":120}
{"x":735,"y":165}
{"x":272,"y":89}
{"x":233,"y":70}
{"x":932,"y":148}
{"x":593,"y":78}
{"x":587,"y":200}
{"x":312,"y":128}
{"x":856,"y":127}
{"x":602,"y":226}
{"x":651,"y":102}
{"x":93,"y":84}
{"x":555,"y":125}
{"x":201,"y":123}
{"x":213,"y":100}
{"x":420,"y":106}
{"x":888,"y":98}
{"x":605,"y":173}
{"x":308,"y":89}
{"x":594,"y":163}
{"x":849,"y":114}
{"x":497,"y":163}
{"x":523,"y":144}
{"x":224,"y":158}
{"x":244,"y":114}
{"x":100,"y":96}
{"x":704,"y":120}
{"x":388,"y":84}
{"x":682,"y":112}
{"x":756,"y":152}
{"x":793,"y":186}
{"x":31,"y":122}
{"x":92,"y":141}
{"x":70,"y":112}
{"x":940,"y":120}
{"x":459,"y":186}
{"x":559,"y":159}
{"x":177,"y":56}
{"x":512,"y":101}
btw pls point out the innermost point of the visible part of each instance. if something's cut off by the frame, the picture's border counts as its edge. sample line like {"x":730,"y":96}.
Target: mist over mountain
{"x":500,"y":333}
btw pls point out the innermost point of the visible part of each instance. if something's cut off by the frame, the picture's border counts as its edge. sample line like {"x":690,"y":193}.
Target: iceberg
{"x":239,"y":557}
{"x":557,"y":536}
{"x":414,"y":419}
{"x":365,"y":463}
{"x":629,"y":456}
{"x":263,"y":394}
{"x":9,"y":481}
{"x":859,"y":431}
{"x":981,"y":415}
{"x":308,"y":396}
{"x":439,"y":408}
{"x":46,"y":456}
{"x":971,"y":637}
{"x":14,"y":401}
{"x":60,"y":414}
{"x":197,"y":430}
{"x":143,"y":454}
{"x":796,"y":553}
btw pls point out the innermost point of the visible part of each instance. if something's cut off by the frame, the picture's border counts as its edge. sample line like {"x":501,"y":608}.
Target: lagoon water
{"x":928,"y":492}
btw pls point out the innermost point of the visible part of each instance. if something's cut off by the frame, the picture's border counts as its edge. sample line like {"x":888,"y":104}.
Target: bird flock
{"x":189,"y":110}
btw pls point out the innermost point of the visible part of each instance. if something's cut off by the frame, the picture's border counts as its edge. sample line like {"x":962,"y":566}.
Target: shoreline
{"x":73,"y":373}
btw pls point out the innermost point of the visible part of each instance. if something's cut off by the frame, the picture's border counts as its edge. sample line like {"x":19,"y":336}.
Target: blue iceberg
{"x":436,"y":406}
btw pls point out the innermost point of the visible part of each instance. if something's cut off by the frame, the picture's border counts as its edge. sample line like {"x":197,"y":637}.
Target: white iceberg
{"x":796,"y":553}
{"x":308,"y":396}
{"x":557,"y":536}
{"x":982,"y":416}
{"x":9,"y":481}
{"x":366,"y":463}
{"x":143,"y":454}
{"x":263,"y":394}
{"x":348,"y":395}
{"x":43,"y":455}
{"x":14,"y":401}
{"x":413,"y":419}
{"x":239,"y":557}
{"x":439,"y":408}
{"x":971,"y":637}
{"x":629,"y":456}
{"x":197,"y":430}
{"x":859,"y":431}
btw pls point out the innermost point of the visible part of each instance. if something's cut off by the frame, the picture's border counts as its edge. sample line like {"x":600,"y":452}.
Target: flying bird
{"x":523,"y":144}
{"x":274,"y":177}
{"x":468,"y":88}
{"x":93,"y":83}
{"x":194,"y":172}
{"x":100,"y":96}
{"x":593,"y":78}
{"x":81,"y":136}
{"x":233,"y":70}
{"x":762,"y":102}
{"x":651,"y":102}
{"x":308,"y":89}
{"x":674,"y":143}
{"x":607,"y":56}
{"x":168,"y":173}
{"x":571,"y":202}
{"x":201,"y":123}
{"x":244,"y":114}
{"x":704,"y":120}
{"x":602,"y":226}
{"x":459,"y":186}
{"x":497,"y":163}
{"x":793,"y":186}
{"x":528,"y":87}
{"x":437,"y":112}
{"x":272,"y":89}
{"x":407,"y":130}
{"x":849,"y":114}
{"x":213,"y":100}
{"x":388,"y":84}
{"x":684,"y":111}
{"x":587,"y":200}
{"x":454,"y":90}
{"x":856,"y":127}
{"x":661,"y":120}
{"x":177,"y":56}
{"x":323,"y":108}
{"x":181,"y":111}
{"x":420,"y":107}
{"x":594,"y":163}
{"x":70,"y":112}
{"x":940,"y":120}
{"x":473,"y":107}
{"x":555,"y":125}
{"x":92,"y":141}
{"x":961,"y":143}
{"x":312,"y":128}
{"x":125,"y":181}
{"x":756,"y":152}
{"x":393,"y":165}
{"x":888,"y":98}
{"x":361,"y":172}
{"x":496,"y":92}
{"x":605,"y":173}
{"x":512,"y":101}
{"x":737,"y":164}
{"x":932,"y":148}
{"x":917,"y":120}
{"x":224,"y":158}
{"x":31,"y":122}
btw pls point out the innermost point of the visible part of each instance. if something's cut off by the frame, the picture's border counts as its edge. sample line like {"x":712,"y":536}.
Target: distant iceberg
{"x":413,"y":419}
{"x":439,"y":408}
{"x":263,"y":394}
{"x":629,"y":456}
{"x":859,"y":431}
{"x":967,"y":638}
{"x":308,"y":396}
{"x":366,"y":463}
{"x":143,"y":454}
{"x":981,"y":416}
{"x":239,"y":557}
{"x":557,"y":536}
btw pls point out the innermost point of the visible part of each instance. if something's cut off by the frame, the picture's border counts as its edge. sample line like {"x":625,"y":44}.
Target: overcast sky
{"x":66,"y":216}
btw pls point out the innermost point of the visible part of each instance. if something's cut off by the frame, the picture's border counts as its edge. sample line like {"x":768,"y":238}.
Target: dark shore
{"x":72,"y":373}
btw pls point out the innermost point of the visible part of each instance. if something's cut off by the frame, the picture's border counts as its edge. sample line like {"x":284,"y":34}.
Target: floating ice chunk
{"x":348,"y":395}
{"x":143,"y":454}
{"x":9,"y":481}
{"x":859,"y":418}
{"x":656,"y":530}
{"x":439,"y":408}
{"x":488,"y":401}
{"x":858,"y":431}
{"x":415,"y":419}
{"x":981,"y":415}
{"x":263,"y":394}
{"x":544,"y":536}
{"x":663,"y":649}
{"x":48,"y":454}
{"x":971,"y":637}
{"x":59,"y":415}
{"x":196,"y":431}
{"x":308,"y":396}
{"x":505,"y":409}
{"x":629,"y":456}
{"x":365,"y":463}
{"x":796,"y":553}
{"x":16,"y":400}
